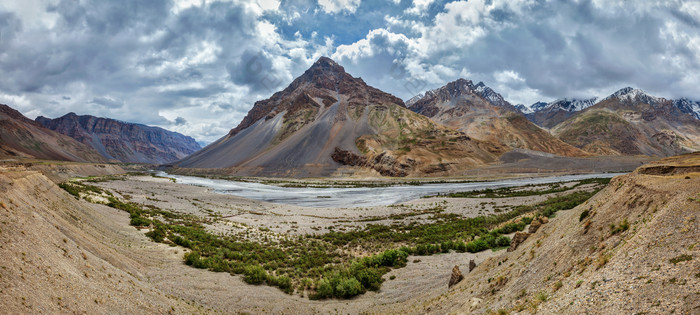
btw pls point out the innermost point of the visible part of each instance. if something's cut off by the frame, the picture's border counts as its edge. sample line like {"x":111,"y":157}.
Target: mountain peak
{"x":632,"y":94}
{"x":325,"y":64}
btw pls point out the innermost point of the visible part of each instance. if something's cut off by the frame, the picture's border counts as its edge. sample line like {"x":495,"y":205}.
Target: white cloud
{"x":419,"y":7}
{"x":336,"y":6}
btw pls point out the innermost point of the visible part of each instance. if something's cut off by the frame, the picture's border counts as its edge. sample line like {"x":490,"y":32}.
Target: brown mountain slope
{"x":631,"y":122}
{"x":125,"y":142}
{"x":24,"y":138}
{"x":326,"y":119}
{"x":632,"y":248}
{"x":482,"y":114}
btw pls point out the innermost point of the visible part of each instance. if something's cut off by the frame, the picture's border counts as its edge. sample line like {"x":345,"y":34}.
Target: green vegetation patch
{"x":509,"y":192}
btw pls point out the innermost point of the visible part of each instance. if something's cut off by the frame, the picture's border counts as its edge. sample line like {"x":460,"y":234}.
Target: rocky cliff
{"x":124,"y":142}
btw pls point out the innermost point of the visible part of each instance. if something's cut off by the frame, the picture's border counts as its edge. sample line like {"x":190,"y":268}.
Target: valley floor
{"x":68,"y":255}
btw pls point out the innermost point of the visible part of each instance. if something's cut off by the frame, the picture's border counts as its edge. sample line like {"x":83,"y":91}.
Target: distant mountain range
{"x":483,"y":114}
{"x":327,"y":123}
{"x":121,"y":141}
{"x":21,"y":137}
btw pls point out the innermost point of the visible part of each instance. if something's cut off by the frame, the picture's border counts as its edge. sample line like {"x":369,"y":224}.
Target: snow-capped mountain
{"x":524,"y":109}
{"x":630,"y":94}
{"x":689,"y":107}
{"x":571,"y":105}
{"x":549,"y":114}
{"x":538,"y":106}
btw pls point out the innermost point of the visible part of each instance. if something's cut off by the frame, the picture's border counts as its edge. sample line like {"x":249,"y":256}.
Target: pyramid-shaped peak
{"x":325,"y":64}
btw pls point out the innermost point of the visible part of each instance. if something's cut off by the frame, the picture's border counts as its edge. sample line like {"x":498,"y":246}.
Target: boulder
{"x":517,"y":239}
{"x":534,"y":226}
{"x":544,"y":220}
{"x":456,"y":276}
{"x":472,"y":265}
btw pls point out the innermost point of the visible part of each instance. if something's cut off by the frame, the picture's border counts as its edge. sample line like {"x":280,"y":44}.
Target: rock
{"x":456,"y":276}
{"x":517,"y":239}
{"x":472,"y":265}
{"x":122,"y":141}
{"x":534,"y":226}
{"x":544,"y":220}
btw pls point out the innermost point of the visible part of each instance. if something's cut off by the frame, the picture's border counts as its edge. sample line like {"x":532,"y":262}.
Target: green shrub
{"x":349,"y":288}
{"x":684,"y":257}
{"x":324,"y":289}
{"x":255,"y":275}
{"x":583,"y":215}
{"x":502,"y":241}
{"x":477,"y":246}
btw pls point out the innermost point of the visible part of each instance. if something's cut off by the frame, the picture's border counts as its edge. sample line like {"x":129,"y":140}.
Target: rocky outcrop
{"x":456,"y":277}
{"x":385,"y":164}
{"x":472,"y":265}
{"x":534,"y":226}
{"x":517,"y":240}
{"x":124,"y":142}
{"x":536,"y":223}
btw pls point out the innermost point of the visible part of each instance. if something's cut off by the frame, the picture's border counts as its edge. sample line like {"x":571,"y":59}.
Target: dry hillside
{"x":634,"y":248}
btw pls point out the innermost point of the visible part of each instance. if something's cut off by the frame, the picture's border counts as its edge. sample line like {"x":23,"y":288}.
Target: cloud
{"x":179,"y":121}
{"x":208,"y":61}
{"x":336,"y":6}
{"x":107,"y":102}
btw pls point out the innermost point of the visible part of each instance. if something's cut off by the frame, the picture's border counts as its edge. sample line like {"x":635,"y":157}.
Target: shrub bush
{"x":255,"y":275}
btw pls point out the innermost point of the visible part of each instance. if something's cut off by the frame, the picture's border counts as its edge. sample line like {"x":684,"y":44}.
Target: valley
{"x":137,"y":232}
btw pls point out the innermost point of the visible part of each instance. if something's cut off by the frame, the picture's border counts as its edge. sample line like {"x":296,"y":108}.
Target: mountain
{"x":24,"y":138}
{"x":631,"y":122}
{"x":689,"y":107}
{"x":550,"y":114}
{"x":325,"y":120}
{"x":125,"y":142}
{"x":484,"y":115}
{"x":523,"y":109}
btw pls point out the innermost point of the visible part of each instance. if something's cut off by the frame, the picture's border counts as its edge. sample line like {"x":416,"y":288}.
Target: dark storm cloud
{"x":179,"y":121}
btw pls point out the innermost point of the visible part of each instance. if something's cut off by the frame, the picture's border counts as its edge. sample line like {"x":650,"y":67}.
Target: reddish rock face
{"x":125,"y":142}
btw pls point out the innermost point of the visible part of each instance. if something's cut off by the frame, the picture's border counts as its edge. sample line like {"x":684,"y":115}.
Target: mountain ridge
{"x":123,"y":141}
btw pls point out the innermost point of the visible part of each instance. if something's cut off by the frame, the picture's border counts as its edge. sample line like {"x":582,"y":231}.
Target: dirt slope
{"x":55,"y":260}
{"x":594,"y":265}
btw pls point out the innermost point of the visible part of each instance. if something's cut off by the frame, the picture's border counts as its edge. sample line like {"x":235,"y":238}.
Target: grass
{"x":509,"y":192}
{"x":326,"y":265}
{"x":681,"y":258}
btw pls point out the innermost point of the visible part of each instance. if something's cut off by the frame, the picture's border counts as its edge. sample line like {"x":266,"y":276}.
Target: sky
{"x":198,"y":66}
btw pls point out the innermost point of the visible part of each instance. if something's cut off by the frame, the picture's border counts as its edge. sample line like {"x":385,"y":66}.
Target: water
{"x":358,"y":197}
